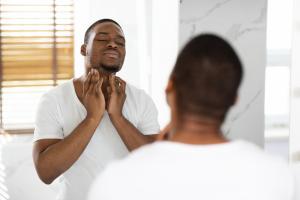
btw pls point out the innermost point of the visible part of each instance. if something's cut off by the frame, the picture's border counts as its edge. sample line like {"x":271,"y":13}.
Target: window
{"x":36,"y":53}
{"x":279,"y":36}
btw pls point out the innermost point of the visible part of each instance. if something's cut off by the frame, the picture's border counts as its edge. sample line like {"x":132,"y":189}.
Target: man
{"x":87,"y":122}
{"x":197,"y":161}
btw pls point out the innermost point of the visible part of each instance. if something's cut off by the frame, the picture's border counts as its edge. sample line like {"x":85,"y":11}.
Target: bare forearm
{"x":59,"y":157}
{"x":130,"y":135}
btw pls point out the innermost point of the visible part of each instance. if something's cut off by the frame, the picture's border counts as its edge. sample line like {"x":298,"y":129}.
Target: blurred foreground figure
{"x":196,"y":162}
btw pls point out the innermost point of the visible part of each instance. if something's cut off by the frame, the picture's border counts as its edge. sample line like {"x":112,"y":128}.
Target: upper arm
{"x":48,"y":129}
{"x":48,"y":123}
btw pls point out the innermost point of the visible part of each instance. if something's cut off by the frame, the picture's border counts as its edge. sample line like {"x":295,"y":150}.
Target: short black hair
{"x":87,"y":32}
{"x":206,"y":77}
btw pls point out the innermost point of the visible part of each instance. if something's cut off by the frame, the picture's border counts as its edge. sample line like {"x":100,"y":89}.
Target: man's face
{"x":105,"y":50}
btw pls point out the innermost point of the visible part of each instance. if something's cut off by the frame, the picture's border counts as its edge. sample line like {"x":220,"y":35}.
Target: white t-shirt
{"x":236,"y":170}
{"x":60,"y":112}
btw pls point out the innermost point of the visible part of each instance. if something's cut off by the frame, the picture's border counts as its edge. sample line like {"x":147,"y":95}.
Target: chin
{"x":110,"y":68}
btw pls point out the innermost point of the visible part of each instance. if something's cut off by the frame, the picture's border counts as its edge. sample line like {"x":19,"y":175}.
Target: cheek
{"x":96,"y":48}
{"x":124,"y":54}
{"x":95,"y":52}
{"x":94,"y":58}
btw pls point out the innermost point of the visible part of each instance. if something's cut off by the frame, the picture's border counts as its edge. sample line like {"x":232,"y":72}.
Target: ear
{"x":170,"y":86}
{"x":170,"y":92}
{"x":83,"y":50}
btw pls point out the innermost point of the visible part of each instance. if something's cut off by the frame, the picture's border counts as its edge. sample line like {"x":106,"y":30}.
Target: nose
{"x":112,"y":44}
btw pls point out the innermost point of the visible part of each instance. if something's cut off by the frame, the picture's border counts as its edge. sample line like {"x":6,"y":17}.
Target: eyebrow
{"x":105,"y":33}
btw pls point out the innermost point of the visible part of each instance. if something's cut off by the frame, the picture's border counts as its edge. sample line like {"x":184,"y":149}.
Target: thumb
{"x":99,"y":85}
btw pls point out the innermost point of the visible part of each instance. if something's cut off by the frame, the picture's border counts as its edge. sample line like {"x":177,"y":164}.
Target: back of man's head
{"x":206,"y":77}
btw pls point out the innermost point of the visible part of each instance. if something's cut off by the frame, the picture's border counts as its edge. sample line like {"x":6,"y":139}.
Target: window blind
{"x":36,"y":53}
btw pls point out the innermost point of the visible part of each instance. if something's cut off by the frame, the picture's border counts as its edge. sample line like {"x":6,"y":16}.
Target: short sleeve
{"x":47,"y":121}
{"x":148,"y":122}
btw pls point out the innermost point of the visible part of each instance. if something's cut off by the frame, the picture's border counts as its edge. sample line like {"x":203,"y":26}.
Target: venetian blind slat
{"x":36,"y":40}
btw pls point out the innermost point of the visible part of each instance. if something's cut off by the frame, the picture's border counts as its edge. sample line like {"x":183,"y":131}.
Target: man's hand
{"x":93,"y":98}
{"x":164,"y":134}
{"x":117,"y":96}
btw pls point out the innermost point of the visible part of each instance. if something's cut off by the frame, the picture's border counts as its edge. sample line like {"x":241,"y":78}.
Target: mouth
{"x":112,"y":54}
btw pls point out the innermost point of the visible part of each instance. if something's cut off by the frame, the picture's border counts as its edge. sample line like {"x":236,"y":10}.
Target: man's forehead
{"x":108,"y":28}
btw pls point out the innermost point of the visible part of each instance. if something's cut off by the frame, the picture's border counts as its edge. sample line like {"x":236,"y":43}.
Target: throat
{"x":78,"y":86}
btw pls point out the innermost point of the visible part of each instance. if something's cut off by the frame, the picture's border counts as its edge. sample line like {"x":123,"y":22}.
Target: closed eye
{"x":121,"y":43}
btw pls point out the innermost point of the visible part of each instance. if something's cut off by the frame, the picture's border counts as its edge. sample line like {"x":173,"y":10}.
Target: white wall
{"x":295,"y":97}
{"x":165,"y":41}
{"x":243,"y":23}
{"x":295,"y":88}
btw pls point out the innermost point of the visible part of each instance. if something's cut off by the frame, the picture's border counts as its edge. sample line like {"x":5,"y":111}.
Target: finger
{"x":99,"y":85}
{"x":94,"y":76}
{"x":96,"y":80}
{"x":92,"y":88}
{"x":87,"y":82}
{"x":164,"y":134}
{"x":118,"y":84}
{"x":100,"y":82}
{"x":122,"y":86}
{"x":112,"y":83}
{"x":97,"y":76}
{"x":93,"y":82}
{"x":108,"y":89}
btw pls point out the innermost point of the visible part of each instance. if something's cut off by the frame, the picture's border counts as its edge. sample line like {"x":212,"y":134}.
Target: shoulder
{"x":252,"y":151}
{"x":256,"y":151}
{"x":59,"y":91}
{"x":135,"y":92}
{"x":266,"y":162}
{"x":139,"y":99}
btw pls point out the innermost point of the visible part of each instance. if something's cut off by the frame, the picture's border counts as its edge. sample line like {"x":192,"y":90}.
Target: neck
{"x":78,"y":83}
{"x":195,"y":130}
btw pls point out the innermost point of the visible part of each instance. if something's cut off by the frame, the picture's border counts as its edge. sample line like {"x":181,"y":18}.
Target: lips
{"x":111,"y":54}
